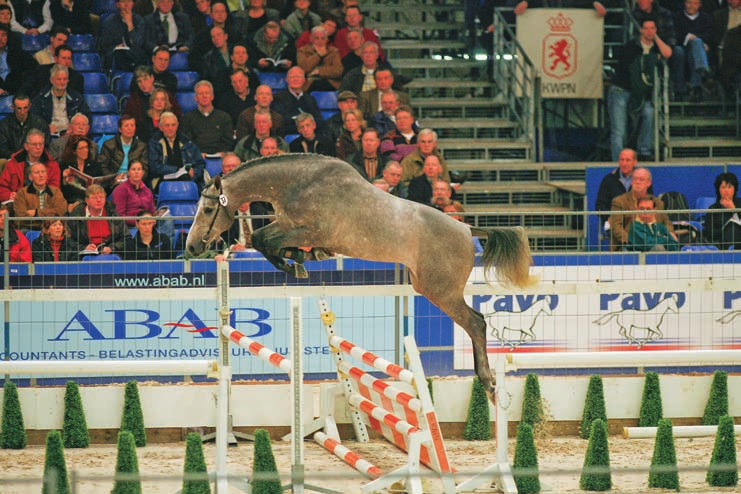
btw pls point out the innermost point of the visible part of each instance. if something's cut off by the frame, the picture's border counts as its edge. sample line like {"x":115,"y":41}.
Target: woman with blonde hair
{"x":349,"y":141}
{"x":159,"y":103}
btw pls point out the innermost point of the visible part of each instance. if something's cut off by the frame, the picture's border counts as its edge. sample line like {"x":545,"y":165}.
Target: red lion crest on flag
{"x":559,"y":48}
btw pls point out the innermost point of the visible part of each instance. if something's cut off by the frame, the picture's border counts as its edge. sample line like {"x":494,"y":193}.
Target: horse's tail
{"x":730,"y":316}
{"x":509,"y":251}
{"x":602,"y":320}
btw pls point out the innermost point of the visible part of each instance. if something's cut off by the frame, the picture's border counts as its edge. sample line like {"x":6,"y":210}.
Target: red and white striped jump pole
{"x":258,"y":350}
{"x":347,"y":456}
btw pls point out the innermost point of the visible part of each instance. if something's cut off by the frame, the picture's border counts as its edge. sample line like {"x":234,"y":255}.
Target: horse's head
{"x":214,"y":215}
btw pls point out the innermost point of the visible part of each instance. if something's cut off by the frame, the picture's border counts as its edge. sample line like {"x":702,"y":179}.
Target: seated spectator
{"x":293,"y":100}
{"x":77,"y":155}
{"x":392,"y":175}
{"x":160,"y":102}
{"x":209,"y":128}
{"x":74,"y":15}
{"x":370,"y":101}
{"x":142,"y":100}
{"x":620,"y":222}
{"x":402,"y":141}
{"x":349,"y":141}
{"x":172,"y":156}
{"x":263,"y":101}
{"x":330,"y":26}
{"x":15,"y":127}
{"x":420,"y":187}
{"x":238,"y":59}
{"x":177,"y":36}
{"x":117,"y":152}
{"x":18,"y":247}
{"x":728,"y":38}
{"x":239,"y":97}
{"x":616,"y":183}
{"x":31,"y":17}
{"x":645,"y":234}
{"x":121,"y":38}
{"x":14,"y":175}
{"x":369,"y":161}
{"x":301,"y":19}
{"x":340,"y":12}
{"x":54,"y":245}
{"x":320,"y":62}
{"x":413,"y":163}
{"x":38,"y":199}
{"x":632,"y":89}
{"x":384,"y":121}
{"x":354,"y":19}
{"x":308,"y":141}
{"x":271,"y":147}
{"x":346,"y":100}
{"x":442,"y":193}
{"x":694,"y":34}
{"x":256,"y":17}
{"x":18,"y":64}
{"x":215,"y":60}
{"x":249,"y":146}
{"x":202,"y":42}
{"x":722,"y":226}
{"x":60,"y":103}
{"x":38,"y":80}
{"x":354,"y":58}
{"x":380,"y":183}
{"x":79,"y":125}
{"x":57,"y":36}
{"x":272,"y":50}
{"x":200,"y":17}
{"x":148,"y":244}
{"x":106,"y":235}
{"x":163,"y":77}
{"x":361,"y":78}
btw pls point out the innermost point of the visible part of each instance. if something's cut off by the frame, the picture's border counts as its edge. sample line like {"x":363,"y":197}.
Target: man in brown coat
{"x":620,"y":222}
{"x":38,"y":199}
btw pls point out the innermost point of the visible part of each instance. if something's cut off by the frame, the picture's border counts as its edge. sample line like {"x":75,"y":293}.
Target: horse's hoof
{"x":293,"y":253}
{"x":299,"y":271}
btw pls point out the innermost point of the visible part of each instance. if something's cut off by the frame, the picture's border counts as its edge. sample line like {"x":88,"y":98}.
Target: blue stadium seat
{"x":104,"y":7}
{"x":120,"y":83}
{"x":102,"y":103}
{"x":179,"y":61}
{"x":32,"y":235}
{"x":6,"y":104}
{"x":328,"y":113}
{"x":187,"y":101}
{"x":87,"y":62}
{"x":95,"y":83}
{"x":102,"y":258}
{"x":276,"y":80}
{"x":179,"y":241}
{"x":81,"y":42}
{"x":185,"y":209}
{"x":186,"y":80}
{"x":327,"y":100}
{"x":213,"y":166}
{"x":104,"y":123}
{"x":290,"y":137}
{"x":703,"y":203}
{"x":34,"y":42}
{"x":174,"y":192}
{"x":698,"y":248}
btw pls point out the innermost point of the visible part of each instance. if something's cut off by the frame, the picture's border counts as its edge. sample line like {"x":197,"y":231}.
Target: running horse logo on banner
{"x":559,"y":48}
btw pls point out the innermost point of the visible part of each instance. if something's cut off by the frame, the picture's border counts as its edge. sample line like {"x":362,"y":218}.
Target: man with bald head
{"x":263,"y":101}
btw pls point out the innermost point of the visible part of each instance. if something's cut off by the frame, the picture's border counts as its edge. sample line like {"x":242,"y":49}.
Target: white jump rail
{"x":111,"y":368}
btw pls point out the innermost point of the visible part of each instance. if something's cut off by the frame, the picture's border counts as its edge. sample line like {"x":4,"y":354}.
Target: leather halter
{"x":223,"y":201}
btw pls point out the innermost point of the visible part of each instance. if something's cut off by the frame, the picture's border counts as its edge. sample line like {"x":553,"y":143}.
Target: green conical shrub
{"x":133,"y":417}
{"x":74,"y":429}
{"x":594,"y":406}
{"x":127,"y":463}
{"x":429,"y":389}
{"x":597,"y":457}
{"x":54,"y":466}
{"x":664,"y":456}
{"x":717,"y":405}
{"x":651,"y":407}
{"x":532,"y":404}
{"x":478,"y":421}
{"x":264,"y":464}
{"x":13,"y":433}
{"x":195,"y":463}
{"x":526,"y":457}
{"x":724,"y":455}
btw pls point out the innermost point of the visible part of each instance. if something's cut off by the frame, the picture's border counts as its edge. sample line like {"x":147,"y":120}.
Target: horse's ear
{"x":217,"y":182}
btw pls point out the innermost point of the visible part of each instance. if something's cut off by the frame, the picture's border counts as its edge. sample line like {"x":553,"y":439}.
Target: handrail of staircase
{"x":516,"y":78}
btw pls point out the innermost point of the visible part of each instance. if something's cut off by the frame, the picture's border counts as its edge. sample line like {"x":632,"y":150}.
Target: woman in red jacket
{"x":19,"y":248}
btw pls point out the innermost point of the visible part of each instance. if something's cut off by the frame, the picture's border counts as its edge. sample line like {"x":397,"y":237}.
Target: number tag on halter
{"x":223,"y":200}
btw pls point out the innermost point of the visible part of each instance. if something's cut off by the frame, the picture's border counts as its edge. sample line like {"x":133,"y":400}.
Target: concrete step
{"x":686,"y":126}
{"x":518,"y":193}
{"x":422,"y":89}
{"x":705,"y":148}
{"x":485,"y":150}
{"x":487,"y":171}
{"x":473,"y":128}
{"x":533,"y":216}
{"x":436,"y":68}
{"x":466,"y":107}
{"x":410,"y":29}
{"x":405,"y":49}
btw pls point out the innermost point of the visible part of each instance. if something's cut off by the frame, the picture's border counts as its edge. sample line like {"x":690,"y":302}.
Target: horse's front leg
{"x":264,"y":241}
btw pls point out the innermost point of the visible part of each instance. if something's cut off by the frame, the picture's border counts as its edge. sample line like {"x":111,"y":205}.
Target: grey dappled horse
{"x":324,"y":203}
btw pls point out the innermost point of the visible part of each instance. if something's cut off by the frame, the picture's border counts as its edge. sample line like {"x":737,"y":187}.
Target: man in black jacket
{"x":40,"y":78}
{"x":15,"y":127}
{"x":18,"y":64}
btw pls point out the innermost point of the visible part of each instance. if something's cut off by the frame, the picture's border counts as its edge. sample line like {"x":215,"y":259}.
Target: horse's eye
{"x":208,"y":210}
